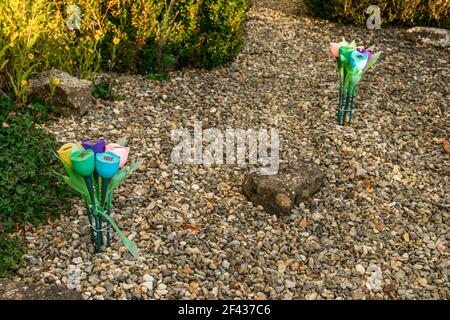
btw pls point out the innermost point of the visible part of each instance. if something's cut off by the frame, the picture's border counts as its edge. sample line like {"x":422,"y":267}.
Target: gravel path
{"x":383,"y":211}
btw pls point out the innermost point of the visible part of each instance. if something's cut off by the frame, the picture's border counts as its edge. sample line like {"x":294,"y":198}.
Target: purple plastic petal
{"x":98,"y":146}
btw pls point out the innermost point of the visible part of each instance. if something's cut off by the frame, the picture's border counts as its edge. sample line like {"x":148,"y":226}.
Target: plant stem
{"x":339,"y":104}
{"x":97,"y":183}
{"x":105,"y":182}
{"x":351,"y":108}
{"x":340,"y":91}
{"x":91,"y":229}
{"x":108,"y":231}
{"x":347,"y":99}
{"x":94,"y":209}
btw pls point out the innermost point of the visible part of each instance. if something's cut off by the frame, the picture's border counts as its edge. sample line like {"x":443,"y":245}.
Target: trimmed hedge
{"x":404,"y":12}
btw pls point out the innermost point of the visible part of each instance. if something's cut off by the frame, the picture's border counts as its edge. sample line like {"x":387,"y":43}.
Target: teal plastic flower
{"x":107,"y":164}
{"x":358,"y":60}
{"x":83,"y":162}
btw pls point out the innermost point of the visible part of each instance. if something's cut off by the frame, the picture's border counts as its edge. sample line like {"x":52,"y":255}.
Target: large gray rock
{"x":11,"y":290}
{"x":72,"y":95}
{"x":430,"y":36}
{"x":280,"y":192}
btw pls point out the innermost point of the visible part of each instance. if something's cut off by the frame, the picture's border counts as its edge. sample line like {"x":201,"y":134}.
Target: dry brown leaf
{"x":52,"y":117}
{"x":446,"y":146}
{"x":189,"y":226}
{"x":368,"y":185}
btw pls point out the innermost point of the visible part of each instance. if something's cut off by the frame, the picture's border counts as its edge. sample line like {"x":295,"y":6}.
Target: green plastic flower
{"x":83,"y":162}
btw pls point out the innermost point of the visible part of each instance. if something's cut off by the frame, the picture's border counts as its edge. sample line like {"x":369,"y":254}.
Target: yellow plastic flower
{"x":30,"y":56}
{"x":65,"y":151}
{"x":116,"y":41}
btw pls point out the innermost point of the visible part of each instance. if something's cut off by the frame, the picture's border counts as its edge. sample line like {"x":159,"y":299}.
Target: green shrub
{"x":405,"y":12}
{"x":159,"y":35}
{"x":11,"y":252}
{"x":222,"y":33}
{"x":103,"y":90}
{"x":30,"y":191}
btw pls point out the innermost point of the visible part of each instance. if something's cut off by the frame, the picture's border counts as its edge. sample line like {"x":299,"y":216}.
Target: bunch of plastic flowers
{"x":94,"y":170}
{"x":352,"y":63}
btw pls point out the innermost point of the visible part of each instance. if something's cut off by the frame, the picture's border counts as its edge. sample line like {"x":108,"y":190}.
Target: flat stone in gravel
{"x":11,"y":290}
{"x":279,"y":193}
{"x":430,"y":36}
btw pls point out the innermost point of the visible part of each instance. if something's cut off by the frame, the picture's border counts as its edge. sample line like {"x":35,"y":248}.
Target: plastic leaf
{"x":372,"y":60}
{"x":75,"y":178}
{"x":130,"y":245}
{"x":75,"y":186}
{"x":134,"y":167}
{"x":116,"y":180}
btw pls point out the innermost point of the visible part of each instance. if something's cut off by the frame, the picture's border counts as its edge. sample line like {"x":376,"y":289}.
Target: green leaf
{"x":372,"y":60}
{"x":75,"y":178}
{"x":355,"y":80}
{"x":348,"y":79}
{"x":116,"y":180}
{"x":109,"y":201}
{"x":73,"y":185}
{"x":134,"y":167}
{"x":76,"y":181}
{"x":130,"y":245}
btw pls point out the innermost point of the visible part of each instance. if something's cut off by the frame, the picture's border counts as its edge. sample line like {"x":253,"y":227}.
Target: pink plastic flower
{"x":120,"y":151}
{"x":334,"y":48}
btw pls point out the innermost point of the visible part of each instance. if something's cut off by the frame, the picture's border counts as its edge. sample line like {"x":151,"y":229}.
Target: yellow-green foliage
{"x":34,"y":36}
{"x":132,"y":35}
{"x":408,"y":12}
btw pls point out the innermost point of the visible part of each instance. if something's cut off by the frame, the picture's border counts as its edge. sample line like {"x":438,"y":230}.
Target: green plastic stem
{"x":98,"y":226}
{"x":351,"y":108}
{"x":91,"y":229}
{"x":108,"y":230}
{"x":347,"y":99}
{"x":105,"y":182}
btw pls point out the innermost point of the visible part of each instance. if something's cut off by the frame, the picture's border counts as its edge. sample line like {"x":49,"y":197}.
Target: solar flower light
{"x":95,"y":173}
{"x":107,"y":165}
{"x":353,"y":62}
